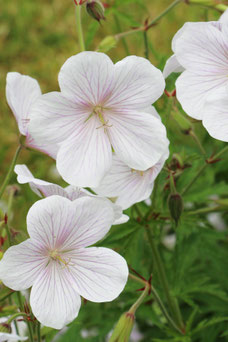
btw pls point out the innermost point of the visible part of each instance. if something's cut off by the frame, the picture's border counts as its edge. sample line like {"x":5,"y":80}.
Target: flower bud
{"x":175,"y":204}
{"x":95,"y":9}
{"x":5,"y":328}
{"x":107,"y":44}
{"x":123,"y":328}
{"x":182,"y":121}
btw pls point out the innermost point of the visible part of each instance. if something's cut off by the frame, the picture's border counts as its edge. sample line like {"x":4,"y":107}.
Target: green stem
{"x":154,"y":21}
{"x":216,"y":156}
{"x":118,"y":26}
{"x":194,"y":179}
{"x":10,"y":172}
{"x":205,"y":210}
{"x":18,"y":314}
{"x":146,"y":52}
{"x":38,"y":332}
{"x":140,"y":300}
{"x":194,"y":136}
{"x":173,"y":306}
{"x":79,"y":28}
{"x":158,"y":300}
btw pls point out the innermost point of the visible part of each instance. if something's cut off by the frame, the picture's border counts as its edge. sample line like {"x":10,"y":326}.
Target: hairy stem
{"x":10,"y":172}
{"x":79,"y":27}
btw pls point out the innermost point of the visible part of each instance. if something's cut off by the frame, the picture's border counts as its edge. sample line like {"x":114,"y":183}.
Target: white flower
{"x":128,"y":186}
{"x":56,"y":262}
{"x":201,"y":49}
{"x":46,"y":189}
{"x":101,"y":107}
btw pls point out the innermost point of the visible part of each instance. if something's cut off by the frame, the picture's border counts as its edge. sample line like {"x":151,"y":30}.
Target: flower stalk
{"x":10,"y":172}
{"x":79,"y":28}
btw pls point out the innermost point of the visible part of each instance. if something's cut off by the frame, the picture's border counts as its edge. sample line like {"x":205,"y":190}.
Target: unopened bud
{"x":5,"y":328}
{"x":175,"y":204}
{"x":107,"y":44}
{"x":182,"y":121}
{"x":123,"y":328}
{"x":95,"y":9}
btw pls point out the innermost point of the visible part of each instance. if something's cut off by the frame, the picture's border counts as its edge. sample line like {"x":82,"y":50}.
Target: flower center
{"x":55,"y":256}
{"x":98,"y":111}
{"x":141,"y":173}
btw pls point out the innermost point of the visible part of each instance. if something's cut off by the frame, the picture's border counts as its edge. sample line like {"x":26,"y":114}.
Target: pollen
{"x":141,"y":173}
{"x":55,"y":256}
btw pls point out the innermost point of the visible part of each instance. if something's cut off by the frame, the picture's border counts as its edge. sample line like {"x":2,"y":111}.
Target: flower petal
{"x":139,"y":139}
{"x":137,"y":84}
{"x":43,"y":188}
{"x":59,"y":223}
{"x":86,"y":156}
{"x":100,"y":274}
{"x":172,"y":65}
{"x":202,"y":48}
{"x":53,"y":119}
{"x":11,"y":337}
{"x":128,"y":186}
{"x":53,"y":299}
{"x":21,"y":264}
{"x":193,"y":91}
{"x":86,"y":77}
{"x":21,"y":92}
{"x":215,"y":119}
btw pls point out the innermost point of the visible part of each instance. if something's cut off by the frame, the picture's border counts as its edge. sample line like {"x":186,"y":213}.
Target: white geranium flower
{"x":201,"y":50}
{"x":46,"y":189}
{"x":101,"y":107}
{"x":128,"y":186}
{"x":55,"y":262}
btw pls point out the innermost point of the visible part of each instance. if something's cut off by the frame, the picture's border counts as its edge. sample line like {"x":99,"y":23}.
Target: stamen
{"x":141,"y":173}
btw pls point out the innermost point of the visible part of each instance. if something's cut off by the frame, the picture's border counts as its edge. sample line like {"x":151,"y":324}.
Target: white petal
{"x":193,"y":91}
{"x":40,"y":187}
{"x":224,"y":18}
{"x":215,"y":119}
{"x":5,"y":337}
{"x":139,"y":139}
{"x":172,"y":65}
{"x":53,"y":299}
{"x":74,"y":192}
{"x":202,"y":48}
{"x":86,"y":156}
{"x":53,"y":119}
{"x":86,"y":77}
{"x":137,"y":84}
{"x":21,"y":264}
{"x":129,"y":186}
{"x":21,"y":92}
{"x":57,"y":222}
{"x":100,"y":274}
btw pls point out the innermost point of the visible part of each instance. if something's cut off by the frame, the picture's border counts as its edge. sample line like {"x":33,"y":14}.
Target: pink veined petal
{"x":203,"y":49}
{"x":54,"y":301}
{"x":193,"y":91}
{"x":127,"y":185}
{"x":21,"y":92}
{"x":43,"y":188}
{"x":215,"y":119}
{"x":172,"y":65}
{"x":86,"y":78}
{"x":139,"y":139}
{"x":21,"y":264}
{"x":99,"y":274}
{"x":137,"y":84}
{"x":85,"y":157}
{"x":60,"y":223}
{"x":53,"y":119}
